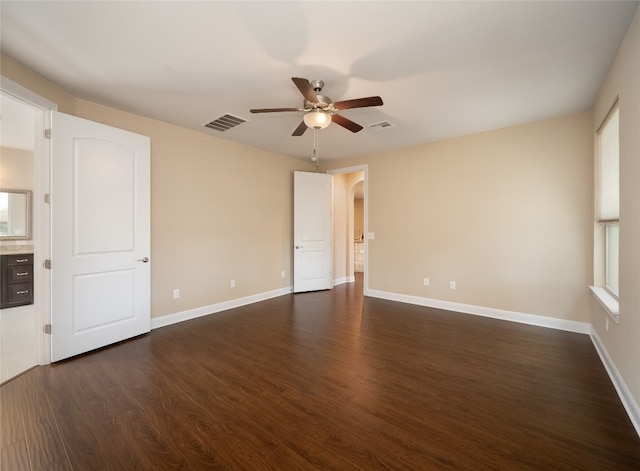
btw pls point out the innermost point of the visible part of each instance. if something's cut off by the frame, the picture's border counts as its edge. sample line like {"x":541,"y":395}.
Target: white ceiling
{"x":443,"y":69}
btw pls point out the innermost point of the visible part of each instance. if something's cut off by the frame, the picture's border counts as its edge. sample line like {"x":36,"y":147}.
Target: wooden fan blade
{"x":346,"y":123}
{"x":358,"y":103}
{"x":272,"y":110}
{"x":306,"y":89}
{"x":300,"y":129}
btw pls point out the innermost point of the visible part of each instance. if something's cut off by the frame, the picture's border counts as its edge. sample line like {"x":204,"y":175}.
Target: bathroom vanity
{"x":16,"y":271}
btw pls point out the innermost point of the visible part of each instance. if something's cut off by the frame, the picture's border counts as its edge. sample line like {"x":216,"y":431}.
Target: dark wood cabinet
{"x":17,"y":280}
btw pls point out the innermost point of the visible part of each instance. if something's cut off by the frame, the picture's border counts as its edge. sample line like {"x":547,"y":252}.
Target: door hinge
{"x":47,"y":198}
{"x":47,"y":264}
{"x":47,"y":328}
{"x":47,"y":133}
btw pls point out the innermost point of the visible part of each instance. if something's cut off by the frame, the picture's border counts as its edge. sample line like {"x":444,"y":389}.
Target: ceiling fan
{"x":319,"y":110}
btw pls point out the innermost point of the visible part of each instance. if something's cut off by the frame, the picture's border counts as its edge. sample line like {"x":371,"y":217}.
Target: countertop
{"x":15,"y":249}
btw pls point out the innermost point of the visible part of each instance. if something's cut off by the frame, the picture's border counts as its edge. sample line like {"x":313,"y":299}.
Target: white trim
{"x":42,"y":234}
{"x":343,"y":280}
{"x":169,"y":319}
{"x":26,"y":95}
{"x":629,"y":403}
{"x":608,"y":302}
{"x":41,"y":219}
{"x":520,"y":317}
{"x":354,"y":169}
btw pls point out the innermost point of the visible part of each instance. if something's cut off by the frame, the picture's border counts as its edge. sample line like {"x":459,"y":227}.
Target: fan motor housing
{"x":323,"y":102}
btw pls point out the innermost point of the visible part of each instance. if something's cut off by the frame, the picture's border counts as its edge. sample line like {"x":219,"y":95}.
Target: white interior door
{"x":312,"y":232}
{"x":100,"y":218}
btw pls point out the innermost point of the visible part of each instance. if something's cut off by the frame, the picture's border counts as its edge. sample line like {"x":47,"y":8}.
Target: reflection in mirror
{"x":15,"y":214}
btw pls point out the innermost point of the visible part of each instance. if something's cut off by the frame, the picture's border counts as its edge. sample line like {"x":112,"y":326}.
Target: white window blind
{"x":608,"y":196}
{"x":609,"y":169}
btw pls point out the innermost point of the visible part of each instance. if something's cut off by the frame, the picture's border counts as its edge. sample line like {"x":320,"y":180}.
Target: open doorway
{"x":24,"y":343}
{"x":18,"y":339}
{"x":350,"y":208}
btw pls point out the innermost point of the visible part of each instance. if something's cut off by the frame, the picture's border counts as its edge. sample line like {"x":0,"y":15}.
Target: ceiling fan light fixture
{"x":317,"y":119}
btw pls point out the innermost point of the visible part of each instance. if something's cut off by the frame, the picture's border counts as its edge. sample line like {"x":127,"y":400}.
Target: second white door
{"x":313,"y":232}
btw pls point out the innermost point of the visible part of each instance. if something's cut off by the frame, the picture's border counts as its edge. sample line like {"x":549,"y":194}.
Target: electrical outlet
{"x":452,"y":285}
{"x":233,"y":283}
{"x":282,"y":274}
{"x":425,"y":282}
{"x":176,"y":293}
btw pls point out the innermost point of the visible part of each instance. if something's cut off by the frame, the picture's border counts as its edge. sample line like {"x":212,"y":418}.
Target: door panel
{"x":100,"y":216}
{"x":104,"y":179}
{"x":313,"y":232}
{"x":102,"y":299}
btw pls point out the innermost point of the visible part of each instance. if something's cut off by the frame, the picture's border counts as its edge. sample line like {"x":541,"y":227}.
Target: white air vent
{"x":382,"y":125}
{"x":225,"y":122}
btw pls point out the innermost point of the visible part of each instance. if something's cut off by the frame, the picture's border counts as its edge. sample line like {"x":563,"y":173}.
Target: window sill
{"x":609,"y":303}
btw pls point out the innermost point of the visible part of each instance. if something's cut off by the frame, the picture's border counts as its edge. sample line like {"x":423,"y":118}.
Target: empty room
{"x":320,"y":235}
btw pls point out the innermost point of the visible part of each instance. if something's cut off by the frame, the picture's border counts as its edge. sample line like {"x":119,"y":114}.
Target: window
{"x":611,"y":259}
{"x":608,"y":212}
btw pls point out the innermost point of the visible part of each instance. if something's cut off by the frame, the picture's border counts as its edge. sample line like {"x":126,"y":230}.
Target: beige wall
{"x":16,"y":169}
{"x":622,"y":341}
{"x":219,"y":210}
{"x":18,"y":73}
{"x":506,"y":214}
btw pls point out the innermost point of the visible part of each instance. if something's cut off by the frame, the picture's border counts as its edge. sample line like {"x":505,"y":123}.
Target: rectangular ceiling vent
{"x":225,"y":122}
{"x":382,"y":125}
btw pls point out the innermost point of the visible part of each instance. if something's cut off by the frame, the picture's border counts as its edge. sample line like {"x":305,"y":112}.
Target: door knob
{"x":143,"y":260}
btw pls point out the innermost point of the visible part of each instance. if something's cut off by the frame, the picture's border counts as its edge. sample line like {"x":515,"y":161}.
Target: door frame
{"x":41,"y":211}
{"x":365,"y":169}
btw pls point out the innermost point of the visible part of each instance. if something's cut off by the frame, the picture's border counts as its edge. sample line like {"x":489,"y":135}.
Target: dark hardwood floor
{"x":324,"y":380}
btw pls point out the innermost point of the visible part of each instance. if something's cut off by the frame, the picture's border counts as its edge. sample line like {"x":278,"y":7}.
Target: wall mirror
{"x":15,"y":214}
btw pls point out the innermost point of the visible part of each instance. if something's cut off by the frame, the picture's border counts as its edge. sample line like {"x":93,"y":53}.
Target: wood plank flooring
{"x":323,"y":381}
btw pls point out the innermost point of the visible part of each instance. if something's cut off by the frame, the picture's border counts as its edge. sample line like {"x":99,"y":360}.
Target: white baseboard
{"x":343,"y":280}
{"x":629,"y":403}
{"x":542,"y":321}
{"x":523,"y":318}
{"x":169,"y":319}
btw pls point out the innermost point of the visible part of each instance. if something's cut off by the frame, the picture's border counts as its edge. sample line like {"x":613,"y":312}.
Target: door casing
{"x":41,"y":214}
